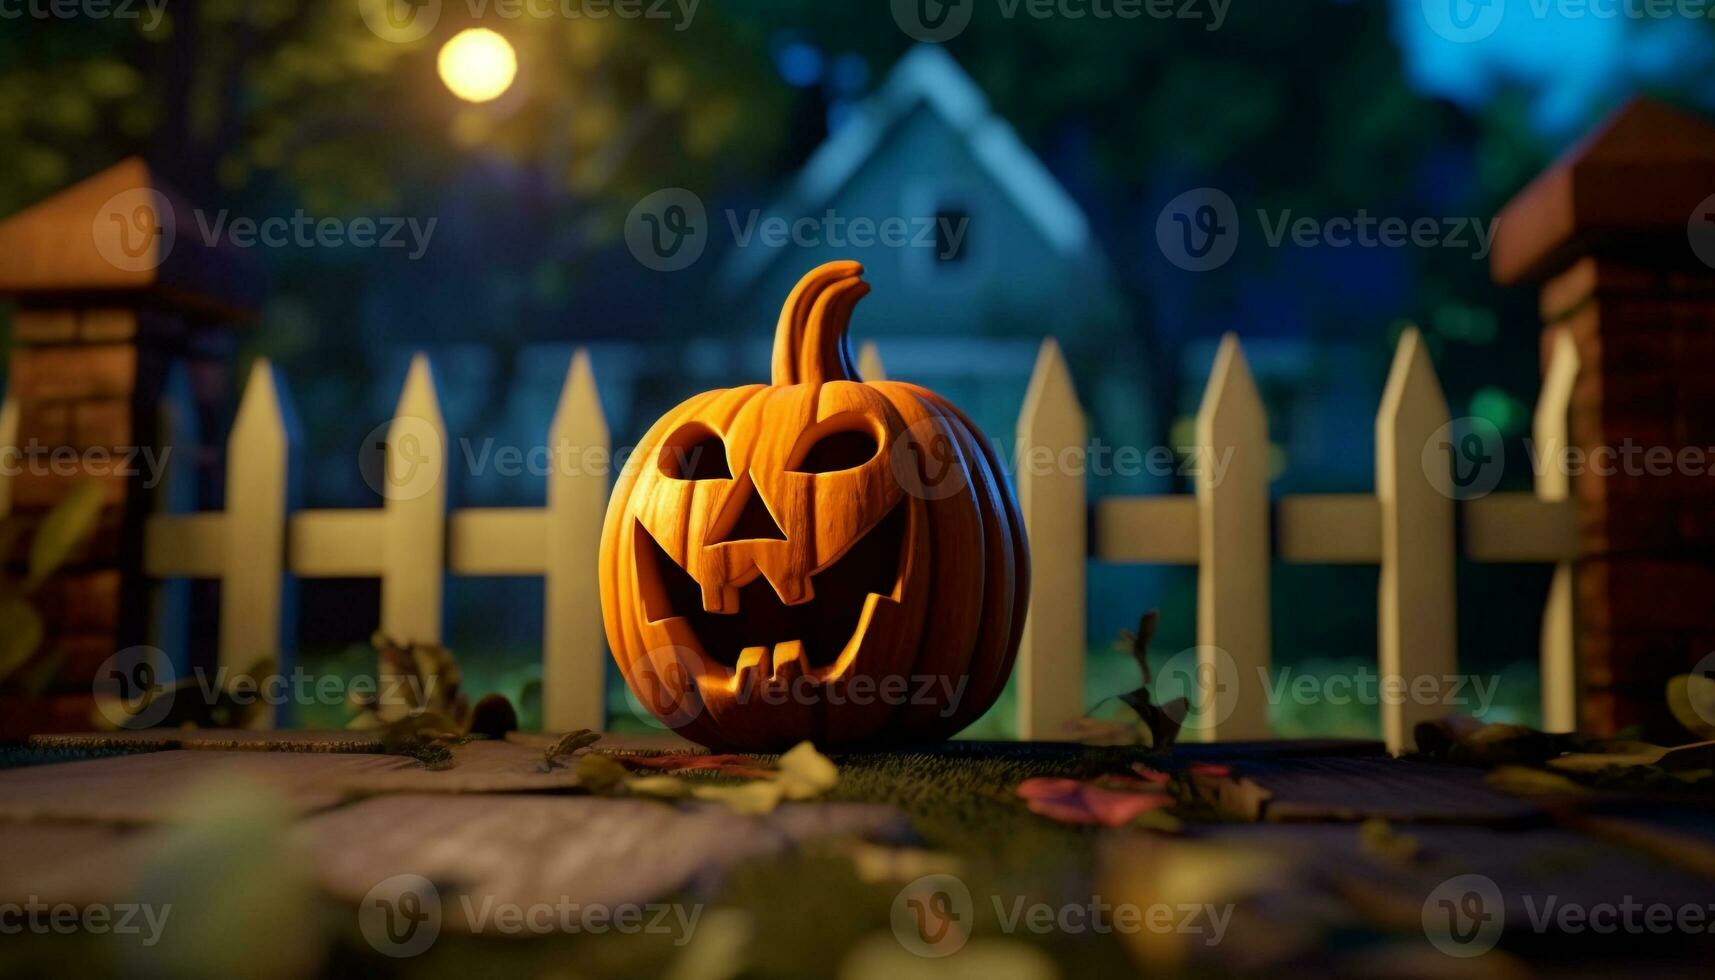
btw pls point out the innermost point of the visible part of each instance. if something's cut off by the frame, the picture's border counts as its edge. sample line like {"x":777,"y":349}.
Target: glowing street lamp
{"x":478,"y":65}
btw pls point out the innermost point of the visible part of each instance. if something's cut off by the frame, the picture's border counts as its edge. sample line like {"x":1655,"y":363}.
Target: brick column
{"x":1618,"y":234}
{"x":111,"y":291}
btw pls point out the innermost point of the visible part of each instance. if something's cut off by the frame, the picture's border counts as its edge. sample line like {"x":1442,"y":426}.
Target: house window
{"x":952,"y":238}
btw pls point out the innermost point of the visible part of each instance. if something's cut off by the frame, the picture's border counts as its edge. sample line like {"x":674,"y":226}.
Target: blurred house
{"x":988,"y":253}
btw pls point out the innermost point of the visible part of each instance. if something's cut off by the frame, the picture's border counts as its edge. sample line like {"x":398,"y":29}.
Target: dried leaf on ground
{"x":1072,"y":801}
{"x":567,"y":744}
{"x":1691,"y":698}
{"x":1532,"y":782}
{"x":1378,"y":839}
{"x":881,"y":863}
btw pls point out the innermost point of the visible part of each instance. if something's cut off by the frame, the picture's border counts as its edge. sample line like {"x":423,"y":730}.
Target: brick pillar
{"x":111,"y":292}
{"x":1618,"y":233}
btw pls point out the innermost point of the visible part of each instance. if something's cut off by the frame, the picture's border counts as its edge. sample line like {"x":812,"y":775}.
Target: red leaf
{"x":1071,"y":801}
{"x":1149,"y":775}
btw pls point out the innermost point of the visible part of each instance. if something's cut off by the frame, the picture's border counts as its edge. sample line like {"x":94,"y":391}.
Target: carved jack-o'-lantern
{"x":819,"y":558}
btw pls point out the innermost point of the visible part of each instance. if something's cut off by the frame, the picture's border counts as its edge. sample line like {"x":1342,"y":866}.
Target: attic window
{"x":952,"y":227}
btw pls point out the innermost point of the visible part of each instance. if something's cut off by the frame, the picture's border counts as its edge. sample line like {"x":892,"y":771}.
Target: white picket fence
{"x":1225,"y":528}
{"x":1406,"y":526}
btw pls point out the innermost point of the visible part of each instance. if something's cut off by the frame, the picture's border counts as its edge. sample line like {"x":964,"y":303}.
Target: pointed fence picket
{"x":1051,"y":498}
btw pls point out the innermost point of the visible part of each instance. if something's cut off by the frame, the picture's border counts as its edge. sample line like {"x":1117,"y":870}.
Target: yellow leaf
{"x":806,"y":773}
{"x":600,"y":774}
{"x":1599,"y":761}
{"x":63,"y":531}
{"x":1531,"y":782}
{"x":1691,"y":698}
{"x":752,"y":799}
{"x":660,"y":787}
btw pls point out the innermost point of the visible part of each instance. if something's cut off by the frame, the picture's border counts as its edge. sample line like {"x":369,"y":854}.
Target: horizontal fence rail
{"x":1228,"y":528}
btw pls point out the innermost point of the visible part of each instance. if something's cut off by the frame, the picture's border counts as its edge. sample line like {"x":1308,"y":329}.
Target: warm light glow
{"x":478,"y":65}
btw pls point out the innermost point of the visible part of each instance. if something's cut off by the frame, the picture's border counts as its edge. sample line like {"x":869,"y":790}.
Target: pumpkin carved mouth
{"x":818,"y":631}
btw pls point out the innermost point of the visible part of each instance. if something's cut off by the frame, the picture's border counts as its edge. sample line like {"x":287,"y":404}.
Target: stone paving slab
{"x":483,"y":851}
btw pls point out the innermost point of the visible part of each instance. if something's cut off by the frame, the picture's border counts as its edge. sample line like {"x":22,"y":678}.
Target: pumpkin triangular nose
{"x":754,"y":523}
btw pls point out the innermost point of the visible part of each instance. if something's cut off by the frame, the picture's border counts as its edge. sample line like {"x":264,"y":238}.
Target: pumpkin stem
{"x":810,"y":344}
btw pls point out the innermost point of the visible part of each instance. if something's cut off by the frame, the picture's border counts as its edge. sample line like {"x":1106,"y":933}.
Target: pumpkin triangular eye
{"x":841,"y":450}
{"x":695,"y":452}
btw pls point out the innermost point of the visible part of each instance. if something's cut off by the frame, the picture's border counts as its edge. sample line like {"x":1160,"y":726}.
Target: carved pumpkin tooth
{"x":790,"y":661}
{"x":892,"y":544}
{"x":755,"y":665}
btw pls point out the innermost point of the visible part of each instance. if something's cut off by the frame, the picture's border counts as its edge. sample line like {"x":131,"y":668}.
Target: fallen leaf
{"x":1691,"y":698}
{"x":567,"y":744}
{"x":877,"y":863}
{"x":752,"y":799}
{"x":600,"y":774}
{"x":1531,"y":782}
{"x":1378,"y":839}
{"x":659,"y":787}
{"x":1602,"y":761}
{"x":1070,"y":801}
{"x":718,"y":950}
{"x":1151,"y":775}
{"x":806,"y":773}
{"x":881,"y":957}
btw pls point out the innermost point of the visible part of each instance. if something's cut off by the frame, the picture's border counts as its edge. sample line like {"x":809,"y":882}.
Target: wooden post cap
{"x":1634,"y":184}
{"x":124,"y":233}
